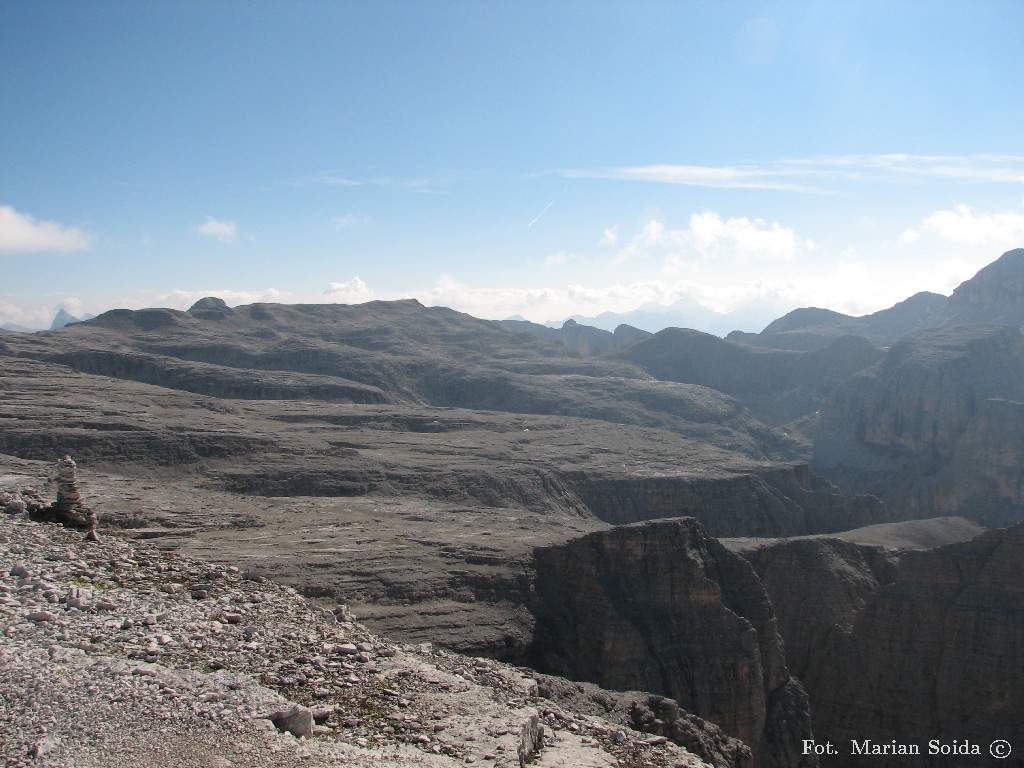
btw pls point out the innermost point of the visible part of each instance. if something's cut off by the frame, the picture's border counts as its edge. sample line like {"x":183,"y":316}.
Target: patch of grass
{"x":83,"y":583}
{"x":370,"y":708}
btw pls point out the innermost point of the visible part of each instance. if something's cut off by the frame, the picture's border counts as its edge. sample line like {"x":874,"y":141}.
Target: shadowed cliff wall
{"x":664,"y":607}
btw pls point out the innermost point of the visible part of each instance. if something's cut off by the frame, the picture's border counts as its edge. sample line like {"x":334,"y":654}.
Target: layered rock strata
{"x":775,"y":501}
{"x":936,"y":654}
{"x":664,"y":607}
{"x":116,"y":655}
{"x":934,"y":429}
{"x":817,"y":588}
{"x":909,"y":648}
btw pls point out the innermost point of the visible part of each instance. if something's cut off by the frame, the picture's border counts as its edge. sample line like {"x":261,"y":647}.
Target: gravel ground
{"x":115,"y":654}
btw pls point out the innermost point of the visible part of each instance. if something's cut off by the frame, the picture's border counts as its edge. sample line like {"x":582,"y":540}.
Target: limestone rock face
{"x":817,"y":587}
{"x":935,"y":428}
{"x":920,"y":646}
{"x":664,"y":607}
{"x":994,"y":295}
{"x":777,"y":385}
{"x":782,"y":501}
{"x":937,"y":653}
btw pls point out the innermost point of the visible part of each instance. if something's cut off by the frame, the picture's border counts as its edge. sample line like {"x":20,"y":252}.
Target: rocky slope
{"x":396,"y":353}
{"x":323,"y":495}
{"x":662,"y":606}
{"x":116,"y":654}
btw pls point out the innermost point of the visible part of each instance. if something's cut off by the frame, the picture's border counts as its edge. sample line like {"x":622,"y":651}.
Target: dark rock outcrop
{"x":933,"y":429}
{"x":911,"y":648}
{"x":817,"y":587}
{"x":664,"y":607}
{"x":783,"y":501}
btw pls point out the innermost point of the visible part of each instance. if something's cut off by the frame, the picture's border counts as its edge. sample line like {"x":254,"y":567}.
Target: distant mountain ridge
{"x":687,"y":313}
{"x":994,"y":296}
{"x":61,"y":319}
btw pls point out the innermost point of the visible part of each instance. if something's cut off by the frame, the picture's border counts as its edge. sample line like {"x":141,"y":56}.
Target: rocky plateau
{"x":734,"y":546}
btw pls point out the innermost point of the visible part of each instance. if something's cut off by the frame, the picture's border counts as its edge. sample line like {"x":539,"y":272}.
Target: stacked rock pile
{"x":69,"y":509}
{"x":115,"y":654}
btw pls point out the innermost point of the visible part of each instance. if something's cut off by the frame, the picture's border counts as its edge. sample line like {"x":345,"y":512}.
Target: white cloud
{"x":610,"y":236}
{"x":541,"y":304}
{"x":815,"y":174}
{"x":224,"y":231}
{"x":909,"y":237}
{"x":710,"y":237}
{"x":37,"y":311}
{"x":331,"y":179}
{"x":726,"y":177}
{"x":25,"y":316}
{"x":334,"y":180}
{"x":963,"y":225}
{"x":652,"y":236}
{"x":72,"y":305}
{"x":747,"y":238}
{"x":353,"y":291}
{"x":22,"y":233}
{"x":558,"y":259}
{"x":973,"y":168}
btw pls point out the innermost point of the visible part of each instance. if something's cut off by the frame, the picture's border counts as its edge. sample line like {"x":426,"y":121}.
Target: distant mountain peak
{"x":994,"y":296}
{"x":209,"y":302}
{"x":999,"y":287}
{"x":63,"y":318}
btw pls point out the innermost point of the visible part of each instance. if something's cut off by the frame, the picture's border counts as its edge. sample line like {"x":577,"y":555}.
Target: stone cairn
{"x":69,"y":509}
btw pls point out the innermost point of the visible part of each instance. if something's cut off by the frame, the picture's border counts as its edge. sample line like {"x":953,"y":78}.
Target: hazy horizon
{"x":536,"y":159}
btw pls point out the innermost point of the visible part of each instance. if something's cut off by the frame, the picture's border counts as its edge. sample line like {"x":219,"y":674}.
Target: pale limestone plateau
{"x":553,"y":499}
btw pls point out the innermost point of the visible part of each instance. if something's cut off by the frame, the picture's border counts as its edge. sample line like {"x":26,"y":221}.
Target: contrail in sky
{"x":546,"y":207}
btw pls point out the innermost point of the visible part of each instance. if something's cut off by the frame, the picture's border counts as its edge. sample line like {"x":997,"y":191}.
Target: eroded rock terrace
{"x":117,"y":654}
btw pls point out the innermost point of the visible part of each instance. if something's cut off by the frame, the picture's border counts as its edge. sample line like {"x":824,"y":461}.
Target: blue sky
{"x":532,"y":158}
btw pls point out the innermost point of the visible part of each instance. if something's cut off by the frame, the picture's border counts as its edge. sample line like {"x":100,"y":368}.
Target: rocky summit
{"x":390,"y":534}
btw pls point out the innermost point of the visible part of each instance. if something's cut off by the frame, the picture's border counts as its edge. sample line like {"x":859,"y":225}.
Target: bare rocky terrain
{"x":721,"y":533}
{"x":118,"y":654}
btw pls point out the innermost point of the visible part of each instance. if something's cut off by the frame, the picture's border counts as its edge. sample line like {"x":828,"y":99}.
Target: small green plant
{"x":84,"y":583}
